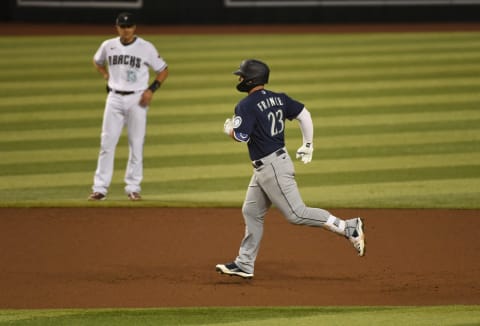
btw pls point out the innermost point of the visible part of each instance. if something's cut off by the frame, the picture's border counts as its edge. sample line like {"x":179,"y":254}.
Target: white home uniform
{"x":128,"y":68}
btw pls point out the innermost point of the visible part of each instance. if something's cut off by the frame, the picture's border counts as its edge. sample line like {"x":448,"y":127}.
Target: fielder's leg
{"x":113,"y":121}
{"x":136,"y":122}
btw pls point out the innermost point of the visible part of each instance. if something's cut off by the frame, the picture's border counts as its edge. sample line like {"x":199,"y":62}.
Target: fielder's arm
{"x":148,"y":94}
{"x":102,"y":69}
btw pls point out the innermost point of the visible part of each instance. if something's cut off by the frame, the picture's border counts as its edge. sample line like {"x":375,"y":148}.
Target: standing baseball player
{"x":259,"y":121}
{"x":128,"y":59}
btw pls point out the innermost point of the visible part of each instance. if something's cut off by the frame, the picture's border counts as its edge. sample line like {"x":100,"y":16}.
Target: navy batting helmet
{"x":254,"y":72}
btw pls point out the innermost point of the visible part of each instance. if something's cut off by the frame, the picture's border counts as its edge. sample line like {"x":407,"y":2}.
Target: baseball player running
{"x":259,"y":121}
{"x":129,"y":59}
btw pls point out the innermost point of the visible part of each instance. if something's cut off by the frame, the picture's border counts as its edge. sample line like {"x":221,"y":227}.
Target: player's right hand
{"x":305,"y":153}
{"x":228,"y":127}
{"x":146,"y":98}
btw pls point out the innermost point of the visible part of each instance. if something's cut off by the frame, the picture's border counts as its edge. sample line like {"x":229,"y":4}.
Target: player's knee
{"x":294,"y":219}
{"x":295,"y":215}
{"x":251,"y":210}
{"x":106,"y":150}
{"x":248,"y":210}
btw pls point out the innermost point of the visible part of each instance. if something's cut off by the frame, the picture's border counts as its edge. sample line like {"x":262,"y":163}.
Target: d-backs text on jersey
{"x":126,"y":59}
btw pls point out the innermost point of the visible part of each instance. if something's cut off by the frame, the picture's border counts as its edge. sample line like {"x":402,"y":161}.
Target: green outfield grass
{"x":397,"y":119}
{"x":301,"y":316}
{"x":397,"y":124}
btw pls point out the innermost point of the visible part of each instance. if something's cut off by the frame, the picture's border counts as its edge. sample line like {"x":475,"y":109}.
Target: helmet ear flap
{"x":245,"y":85}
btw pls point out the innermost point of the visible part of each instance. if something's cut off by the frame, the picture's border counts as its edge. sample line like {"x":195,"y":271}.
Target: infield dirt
{"x":166,"y":257}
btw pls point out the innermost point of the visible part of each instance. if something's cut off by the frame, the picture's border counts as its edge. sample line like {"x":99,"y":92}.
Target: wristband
{"x":154,"y":86}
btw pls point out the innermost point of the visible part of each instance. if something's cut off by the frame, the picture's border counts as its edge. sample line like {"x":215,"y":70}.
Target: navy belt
{"x":258,"y":163}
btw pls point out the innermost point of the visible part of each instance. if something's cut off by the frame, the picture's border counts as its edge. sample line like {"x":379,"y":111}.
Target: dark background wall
{"x":217,"y":12}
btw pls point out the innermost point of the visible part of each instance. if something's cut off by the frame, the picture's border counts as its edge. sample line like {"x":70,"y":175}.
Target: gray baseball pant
{"x":274,"y":183}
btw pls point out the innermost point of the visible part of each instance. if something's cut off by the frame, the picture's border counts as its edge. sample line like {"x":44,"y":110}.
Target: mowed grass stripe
{"x":285,"y":64}
{"x":325,"y":179}
{"x":198,"y":166}
{"x":189,"y":43}
{"x":320,"y":107}
{"x":280,"y":58}
{"x":413,"y":100}
{"x":326,"y":73}
{"x":347,"y":57}
{"x":182,"y":110}
{"x":215,"y":121}
{"x":225,"y":183}
{"x":221,"y":159}
{"x":215,"y":135}
{"x":327,"y":45}
{"x":455,"y":105}
{"x":226,"y":47}
{"x":97,"y":110}
{"x":54,"y":118}
{"x":328,"y":76}
{"x":225,"y":94}
{"x":327,"y":41}
{"x":226,"y":146}
{"x":321,"y":88}
{"x":334,"y":94}
{"x":403,"y":175}
{"x":223,"y":145}
{"x":316,"y":48}
{"x":445,"y":193}
{"x":388,"y":195}
{"x":310,"y":49}
{"x":322,"y":44}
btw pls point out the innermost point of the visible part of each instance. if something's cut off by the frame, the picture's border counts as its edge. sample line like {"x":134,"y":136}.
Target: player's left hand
{"x":305,"y":153}
{"x":146,"y":98}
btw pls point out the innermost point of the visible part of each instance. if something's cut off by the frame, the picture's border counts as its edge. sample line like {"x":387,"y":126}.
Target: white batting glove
{"x":305,"y":153}
{"x":228,"y":127}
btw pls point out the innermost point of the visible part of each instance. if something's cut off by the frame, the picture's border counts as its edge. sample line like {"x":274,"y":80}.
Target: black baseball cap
{"x":125,"y":19}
